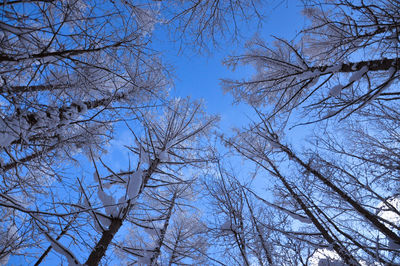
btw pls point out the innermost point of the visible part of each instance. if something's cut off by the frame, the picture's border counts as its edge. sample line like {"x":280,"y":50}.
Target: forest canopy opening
{"x":182,"y":190}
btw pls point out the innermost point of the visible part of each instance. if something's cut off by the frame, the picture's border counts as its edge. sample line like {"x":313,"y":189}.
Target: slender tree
{"x":347,"y":58}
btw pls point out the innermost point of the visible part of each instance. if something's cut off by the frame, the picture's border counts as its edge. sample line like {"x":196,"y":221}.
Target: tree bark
{"x":102,"y":245}
{"x":163,"y":231}
{"x":373,"y":65}
{"x":340,"y":250}
{"x":360,"y":209}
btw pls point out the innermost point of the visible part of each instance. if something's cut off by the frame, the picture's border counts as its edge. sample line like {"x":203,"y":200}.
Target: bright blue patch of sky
{"x":198,"y":76}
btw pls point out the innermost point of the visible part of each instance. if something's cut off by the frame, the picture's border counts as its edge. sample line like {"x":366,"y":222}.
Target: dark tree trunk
{"x":101,"y":247}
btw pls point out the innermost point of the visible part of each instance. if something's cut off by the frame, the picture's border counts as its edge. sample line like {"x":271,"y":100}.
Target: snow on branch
{"x":59,"y":248}
{"x":134,"y":184}
{"x":108,"y":203}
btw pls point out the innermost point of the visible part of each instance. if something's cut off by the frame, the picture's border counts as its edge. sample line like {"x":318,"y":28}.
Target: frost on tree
{"x":345,"y":59}
{"x":68,"y":73}
{"x":118,"y":200}
{"x":181,"y":125}
{"x":72,"y":73}
{"x":338,"y":80}
{"x":66,"y":67}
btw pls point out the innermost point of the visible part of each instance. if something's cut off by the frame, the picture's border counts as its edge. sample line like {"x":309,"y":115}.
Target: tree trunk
{"x":101,"y":247}
{"x":360,"y":209}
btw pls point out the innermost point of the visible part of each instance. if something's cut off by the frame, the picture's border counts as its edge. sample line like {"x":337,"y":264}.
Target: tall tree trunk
{"x":340,"y":249}
{"x":107,"y":236}
{"x":105,"y":240}
{"x":163,"y":231}
{"x":360,"y":209}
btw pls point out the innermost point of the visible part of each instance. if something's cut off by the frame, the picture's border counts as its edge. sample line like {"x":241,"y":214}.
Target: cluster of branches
{"x":334,"y":199}
{"x":347,"y":58}
{"x":73,"y":74}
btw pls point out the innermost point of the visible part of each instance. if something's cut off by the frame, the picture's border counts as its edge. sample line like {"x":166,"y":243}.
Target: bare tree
{"x":340,"y":75}
{"x":234,"y":222}
{"x":169,"y":145}
{"x":338,"y":189}
{"x":68,"y":73}
{"x":167,"y":230}
{"x":206,"y":24}
{"x":347,"y":58}
{"x":254,"y":230}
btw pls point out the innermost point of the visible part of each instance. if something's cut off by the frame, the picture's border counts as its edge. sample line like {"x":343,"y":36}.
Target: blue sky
{"x":198,"y":76}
